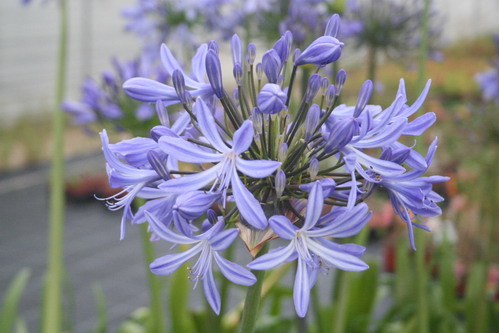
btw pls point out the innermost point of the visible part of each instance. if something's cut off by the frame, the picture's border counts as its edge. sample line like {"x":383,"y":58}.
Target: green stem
{"x":252,"y":301}
{"x":372,"y":67}
{"x":423,"y":47}
{"x":421,"y":284}
{"x":52,"y":307}
{"x":157,"y":321}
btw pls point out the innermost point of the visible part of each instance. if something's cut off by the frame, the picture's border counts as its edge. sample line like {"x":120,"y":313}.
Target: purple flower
{"x":131,"y":179}
{"x":310,"y":247}
{"x":410,"y":191}
{"x":227,"y":162}
{"x":324,"y":50}
{"x":207,"y":245}
{"x":148,"y":90}
{"x":271,"y":99}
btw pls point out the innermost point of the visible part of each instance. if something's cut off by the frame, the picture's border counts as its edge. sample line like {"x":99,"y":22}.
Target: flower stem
{"x":52,"y":307}
{"x":157,"y":321}
{"x":252,"y":302}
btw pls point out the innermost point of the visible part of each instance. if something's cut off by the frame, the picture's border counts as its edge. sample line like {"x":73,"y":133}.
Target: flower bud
{"x":282,"y":154}
{"x":212,"y":45}
{"x":158,"y":164}
{"x":187,"y":99}
{"x":341,"y":134}
{"x":251,"y":54}
{"x":236,"y":49}
{"x":333,"y":26}
{"x":324,"y":50}
{"x":324,"y":85}
{"x":238,"y":74}
{"x":365,"y":94}
{"x":179,"y":84}
{"x":341,"y":77}
{"x":282,"y":49}
{"x":214,"y":73}
{"x":212,"y":216}
{"x":314,"y":84}
{"x":259,"y":71}
{"x":296,"y":55}
{"x":280,"y":183}
{"x":330,"y":96}
{"x":257,"y":118}
{"x":313,"y":169}
{"x":162,"y":113}
{"x":271,"y":65}
{"x":312,"y":121}
{"x":271,"y":99}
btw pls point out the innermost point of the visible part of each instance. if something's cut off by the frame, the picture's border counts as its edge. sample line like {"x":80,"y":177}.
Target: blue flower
{"x":207,"y":245}
{"x":409,"y":192}
{"x":271,"y":99}
{"x":310,"y":247}
{"x":224,"y":173}
{"x":148,"y":90}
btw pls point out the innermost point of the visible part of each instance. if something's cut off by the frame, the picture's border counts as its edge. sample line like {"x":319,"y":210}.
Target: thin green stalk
{"x":423,"y":48}
{"x":52,"y":307}
{"x":157,"y":319}
{"x":421,"y":284}
{"x":291,"y":82}
{"x":340,"y":310}
{"x":252,"y":301}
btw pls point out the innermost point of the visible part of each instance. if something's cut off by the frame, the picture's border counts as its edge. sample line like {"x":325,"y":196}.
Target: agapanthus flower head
{"x":107,"y":104}
{"x":268,"y":164}
{"x":489,"y":80}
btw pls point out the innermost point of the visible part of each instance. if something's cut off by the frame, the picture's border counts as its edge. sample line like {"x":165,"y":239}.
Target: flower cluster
{"x":107,"y":103}
{"x":263,"y":162}
{"x":489,"y":80}
{"x":390,"y":26}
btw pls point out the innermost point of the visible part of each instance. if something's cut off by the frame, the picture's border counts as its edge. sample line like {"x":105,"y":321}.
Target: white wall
{"x":28,"y":44}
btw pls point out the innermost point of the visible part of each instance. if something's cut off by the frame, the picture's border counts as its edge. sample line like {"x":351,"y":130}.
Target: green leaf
{"x":476,"y":299}
{"x":11,"y":300}
{"x":179,"y":299}
{"x":100,"y":299}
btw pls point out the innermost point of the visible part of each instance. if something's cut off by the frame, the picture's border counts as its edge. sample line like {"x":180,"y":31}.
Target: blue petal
{"x":419,"y":125}
{"x":182,"y":225}
{"x":192,"y":205}
{"x":186,"y":151}
{"x":301,"y":290}
{"x":347,"y":224}
{"x":257,"y":168}
{"x":417,"y":104}
{"x":314,"y":206}
{"x":390,"y":134}
{"x":171,"y":262}
{"x":339,"y":259}
{"x":192,"y":182}
{"x":222,"y":240}
{"x":283,"y":227}
{"x":171,"y":64}
{"x":207,"y":124}
{"x":161,"y":208}
{"x":379,"y":166}
{"x":234,"y":272}
{"x":243,"y":137}
{"x":199,"y":63}
{"x":210,"y":291}
{"x":249,"y":208}
{"x":147,"y":90}
{"x":273,"y":258}
{"x":162,"y":231}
